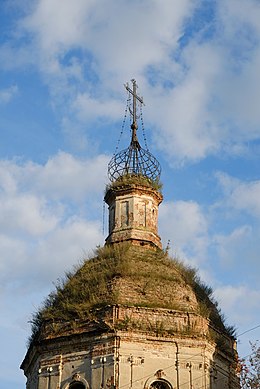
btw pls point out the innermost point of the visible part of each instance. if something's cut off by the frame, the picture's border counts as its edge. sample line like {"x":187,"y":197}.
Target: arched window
{"x":77,"y":385}
{"x":160,"y":384}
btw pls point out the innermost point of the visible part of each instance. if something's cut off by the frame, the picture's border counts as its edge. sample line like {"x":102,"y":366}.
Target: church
{"x":131,"y":317}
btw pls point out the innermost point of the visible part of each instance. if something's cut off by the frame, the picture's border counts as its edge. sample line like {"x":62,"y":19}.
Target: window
{"x":160,"y":384}
{"x":111,"y":219}
{"x":77,"y":385}
{"x":124,"y":213}
{"x":142,"y":214}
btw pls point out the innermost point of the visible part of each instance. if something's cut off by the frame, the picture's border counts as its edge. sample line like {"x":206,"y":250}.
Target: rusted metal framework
{"x":134,"y":160}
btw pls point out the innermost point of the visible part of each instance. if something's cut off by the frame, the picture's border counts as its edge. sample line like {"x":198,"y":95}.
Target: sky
{"x":63,"y":65}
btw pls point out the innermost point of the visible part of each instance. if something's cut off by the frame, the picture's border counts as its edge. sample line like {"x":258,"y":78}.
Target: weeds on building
{"x":93,"y":285}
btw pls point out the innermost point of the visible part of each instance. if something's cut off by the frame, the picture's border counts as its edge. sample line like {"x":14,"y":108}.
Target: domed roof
{"x":134,"y":161}
{"x":128,"y":276}
{"x":141,"y":282}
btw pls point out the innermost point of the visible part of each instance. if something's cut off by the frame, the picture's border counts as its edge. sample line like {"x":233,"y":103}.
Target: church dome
{"x":129,"y":277}
{"x":131,"y":310}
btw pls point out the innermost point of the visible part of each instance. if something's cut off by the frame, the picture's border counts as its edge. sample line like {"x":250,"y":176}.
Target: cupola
{"x":133,"y":195}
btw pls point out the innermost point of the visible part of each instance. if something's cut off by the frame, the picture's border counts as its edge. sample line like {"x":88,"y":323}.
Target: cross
{"x":135,"y":97}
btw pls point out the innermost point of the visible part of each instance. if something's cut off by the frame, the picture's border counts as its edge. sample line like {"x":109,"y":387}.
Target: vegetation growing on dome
{"x":207,"y":303}
{"x":135,"y":179}
{"x":151,"y":278}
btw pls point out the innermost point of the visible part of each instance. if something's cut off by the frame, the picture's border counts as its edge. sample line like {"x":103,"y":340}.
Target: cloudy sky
{"x":62,"y":100}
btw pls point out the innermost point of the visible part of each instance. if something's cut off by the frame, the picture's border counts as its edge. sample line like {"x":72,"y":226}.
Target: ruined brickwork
{"x":133,"y":214}
{"x":129,"y":360}
{"x":133,"y":347}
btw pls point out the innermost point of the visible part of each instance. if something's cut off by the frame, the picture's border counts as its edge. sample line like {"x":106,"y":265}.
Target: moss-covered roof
{"x":130,"y":276}
{"x":135,"y":179}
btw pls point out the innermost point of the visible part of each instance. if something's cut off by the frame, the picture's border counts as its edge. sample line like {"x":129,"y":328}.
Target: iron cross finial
{"x":134,"y":160}
{"x":133,"y":92}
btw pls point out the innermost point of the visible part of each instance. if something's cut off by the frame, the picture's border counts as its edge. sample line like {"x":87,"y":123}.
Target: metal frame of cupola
{"x":133,"y":195}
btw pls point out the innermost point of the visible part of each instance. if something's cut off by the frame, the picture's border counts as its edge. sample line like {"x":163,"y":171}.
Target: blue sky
{"x":62,"y":100}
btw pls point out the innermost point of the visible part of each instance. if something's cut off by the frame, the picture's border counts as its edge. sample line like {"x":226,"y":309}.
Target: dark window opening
{"x":160,"y":384}
{"x":77,"y":385}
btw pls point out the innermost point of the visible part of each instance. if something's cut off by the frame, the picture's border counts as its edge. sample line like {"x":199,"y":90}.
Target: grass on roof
{"x":135,"y":179}
{"x":90,"y":286}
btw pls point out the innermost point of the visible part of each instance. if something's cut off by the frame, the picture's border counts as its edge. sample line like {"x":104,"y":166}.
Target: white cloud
{"x":237,"y":299}
{"x":27,"y":263}
{"x":240,"y":304}
{"x":237,"y":14}
{"x":246,"y":196}
{"x":107,"y":29}
{"x":27,"y":214}
{"x":7,"y":178}
{"x":123,"y":51}
{"x":238,"y":208}
{"x":238,"y":83}
{"x":39,"y":238}
{"x":65,"y":176}
{"x":13,"y":256}
{"x":241,"y":195}
{"x":188,"y":128}
{"x":221,"y":232}
{"x":236,"y":247}
{"x":65,"y":247}
{"x":62,"y":176}
{"x":213,"y":106}
{"x":58,"y":28}
{"x":7,"y":94}
{"x":90,"y":109}
{"x":86,"y":51}
{"x":184,"y":224}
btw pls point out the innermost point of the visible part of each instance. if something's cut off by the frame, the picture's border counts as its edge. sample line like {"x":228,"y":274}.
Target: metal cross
{"x":135,"y":97}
